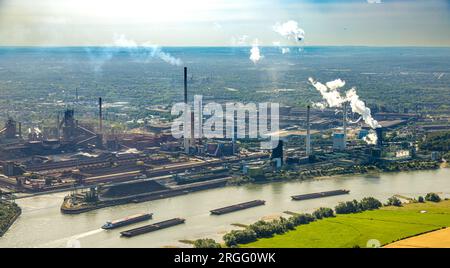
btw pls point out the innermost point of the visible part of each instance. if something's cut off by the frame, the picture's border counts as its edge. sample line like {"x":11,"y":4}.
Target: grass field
{"x":386,"y":225}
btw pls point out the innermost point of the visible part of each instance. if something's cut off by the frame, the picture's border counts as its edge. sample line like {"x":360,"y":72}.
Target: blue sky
{"x":224,"y":22}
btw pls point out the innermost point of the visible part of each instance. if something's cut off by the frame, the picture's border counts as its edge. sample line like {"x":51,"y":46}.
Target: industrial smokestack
{"x":58,"y":122}
{"x":185,"y":85}
{"x":345,"y":124}
{"x":20,"y":129}
{"x":192,"y":134}
{"x":379,"y":132}
{"x":187,"y":119}
{"x":308,"y":131}
{"x":100,"y":115}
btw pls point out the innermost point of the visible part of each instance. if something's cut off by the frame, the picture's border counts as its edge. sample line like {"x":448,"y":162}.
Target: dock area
{"x":152,"y":227}
{"x":237,"y":207}
{"x":319,"y":194}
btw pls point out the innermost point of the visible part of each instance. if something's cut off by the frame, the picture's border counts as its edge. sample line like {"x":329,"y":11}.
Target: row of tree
{"x":266,"y":229}
{"x":367,"y":203}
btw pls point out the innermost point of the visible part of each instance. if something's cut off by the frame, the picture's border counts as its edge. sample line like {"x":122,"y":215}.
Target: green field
{"x":386,"y":225}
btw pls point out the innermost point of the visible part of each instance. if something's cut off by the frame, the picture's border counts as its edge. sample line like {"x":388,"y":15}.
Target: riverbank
{"x":382,"y":226}
{"x":333,"y":171}
{"x":76,"y":203}
{"x":9,"y":212}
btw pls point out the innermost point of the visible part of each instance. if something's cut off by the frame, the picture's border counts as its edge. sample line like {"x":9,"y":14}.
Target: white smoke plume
{"x":330,"y":92}
{"x":138,"y":52}
{"x":371,"y":138}
{"x":374,"y":1}
{"x":333,"y":98}
{"x":255,"y":54}
{"x":336,"y":84}
{"x":285,"y":50}
{"x":146,"y":50}
{"x":290,"y":30}
{"x":359,"y":107}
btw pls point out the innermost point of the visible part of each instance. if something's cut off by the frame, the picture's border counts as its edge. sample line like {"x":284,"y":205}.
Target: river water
{"x":42,"y":225}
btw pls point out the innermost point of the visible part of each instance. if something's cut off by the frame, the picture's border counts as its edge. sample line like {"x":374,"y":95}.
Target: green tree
{"x":394,"y":201}
{"x":370,"y":203}
{"x":323,"y":213}
{"x":432,"y":197}
{"x":347,"y":207}
{"x":236,"y":237}
{"x":206,"y":243}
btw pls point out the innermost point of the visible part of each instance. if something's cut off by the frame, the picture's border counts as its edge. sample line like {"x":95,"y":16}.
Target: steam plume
{"x":371,"y":138}
{"x":138,"y":52}
{"x":333,"y":98}
{"x":290,"y":30}
{"x":359,"y":107}
{"x":330,"y":92}
{"x":146,"y":50}
{"x":255,"y":54}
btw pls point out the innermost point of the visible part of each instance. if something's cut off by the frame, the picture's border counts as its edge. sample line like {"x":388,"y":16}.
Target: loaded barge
{"x":152,"y":227}
{"x":319,"y":195}
{"x":127,"y":221}
{"x":237,"y":207}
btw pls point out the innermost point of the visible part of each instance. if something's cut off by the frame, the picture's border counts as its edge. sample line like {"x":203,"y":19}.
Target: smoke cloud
{"x":290,"y":30}
{"x":139,"y":52}
{"x":334,"y":99}
{"x":359,"y":107}
{"x":255,"y":54}
{"x":145,"y":51}
{"x":330,"y":92}
{"x":284,"y":50}
{"x":371,"y":138}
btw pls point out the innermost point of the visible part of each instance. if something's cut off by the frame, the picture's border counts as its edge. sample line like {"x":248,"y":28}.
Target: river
{"x":42,"y":225}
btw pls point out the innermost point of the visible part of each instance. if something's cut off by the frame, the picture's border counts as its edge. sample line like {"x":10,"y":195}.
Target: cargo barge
{"x":237,"y":207}
{"x":152,"y":227}
{"x":319,"y":195}
{"x":127,"y":221}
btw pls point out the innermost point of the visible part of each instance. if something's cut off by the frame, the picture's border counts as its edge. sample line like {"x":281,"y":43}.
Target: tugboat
{"x":127,"y":221}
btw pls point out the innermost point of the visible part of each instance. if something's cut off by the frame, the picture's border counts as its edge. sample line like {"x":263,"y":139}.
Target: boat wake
{"x":72,"y":241}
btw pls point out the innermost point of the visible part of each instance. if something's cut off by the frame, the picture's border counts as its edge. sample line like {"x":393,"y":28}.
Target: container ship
{"x":319,"y":195}
{"x":127,"y":221}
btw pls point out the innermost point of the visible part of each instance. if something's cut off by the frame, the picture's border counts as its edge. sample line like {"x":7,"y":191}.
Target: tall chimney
{"x":308,"y":131}
{"x":185,"y":85}
{"x":58,"y":122}
{"x":187,"y":119}
{"x":20,"y":129}
{"x":100,"y":114}
{"x":379,"y":132}
{"x":345,"y":125}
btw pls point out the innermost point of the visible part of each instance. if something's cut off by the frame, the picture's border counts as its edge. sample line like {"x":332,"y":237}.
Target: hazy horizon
{"x":219,"y":23}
